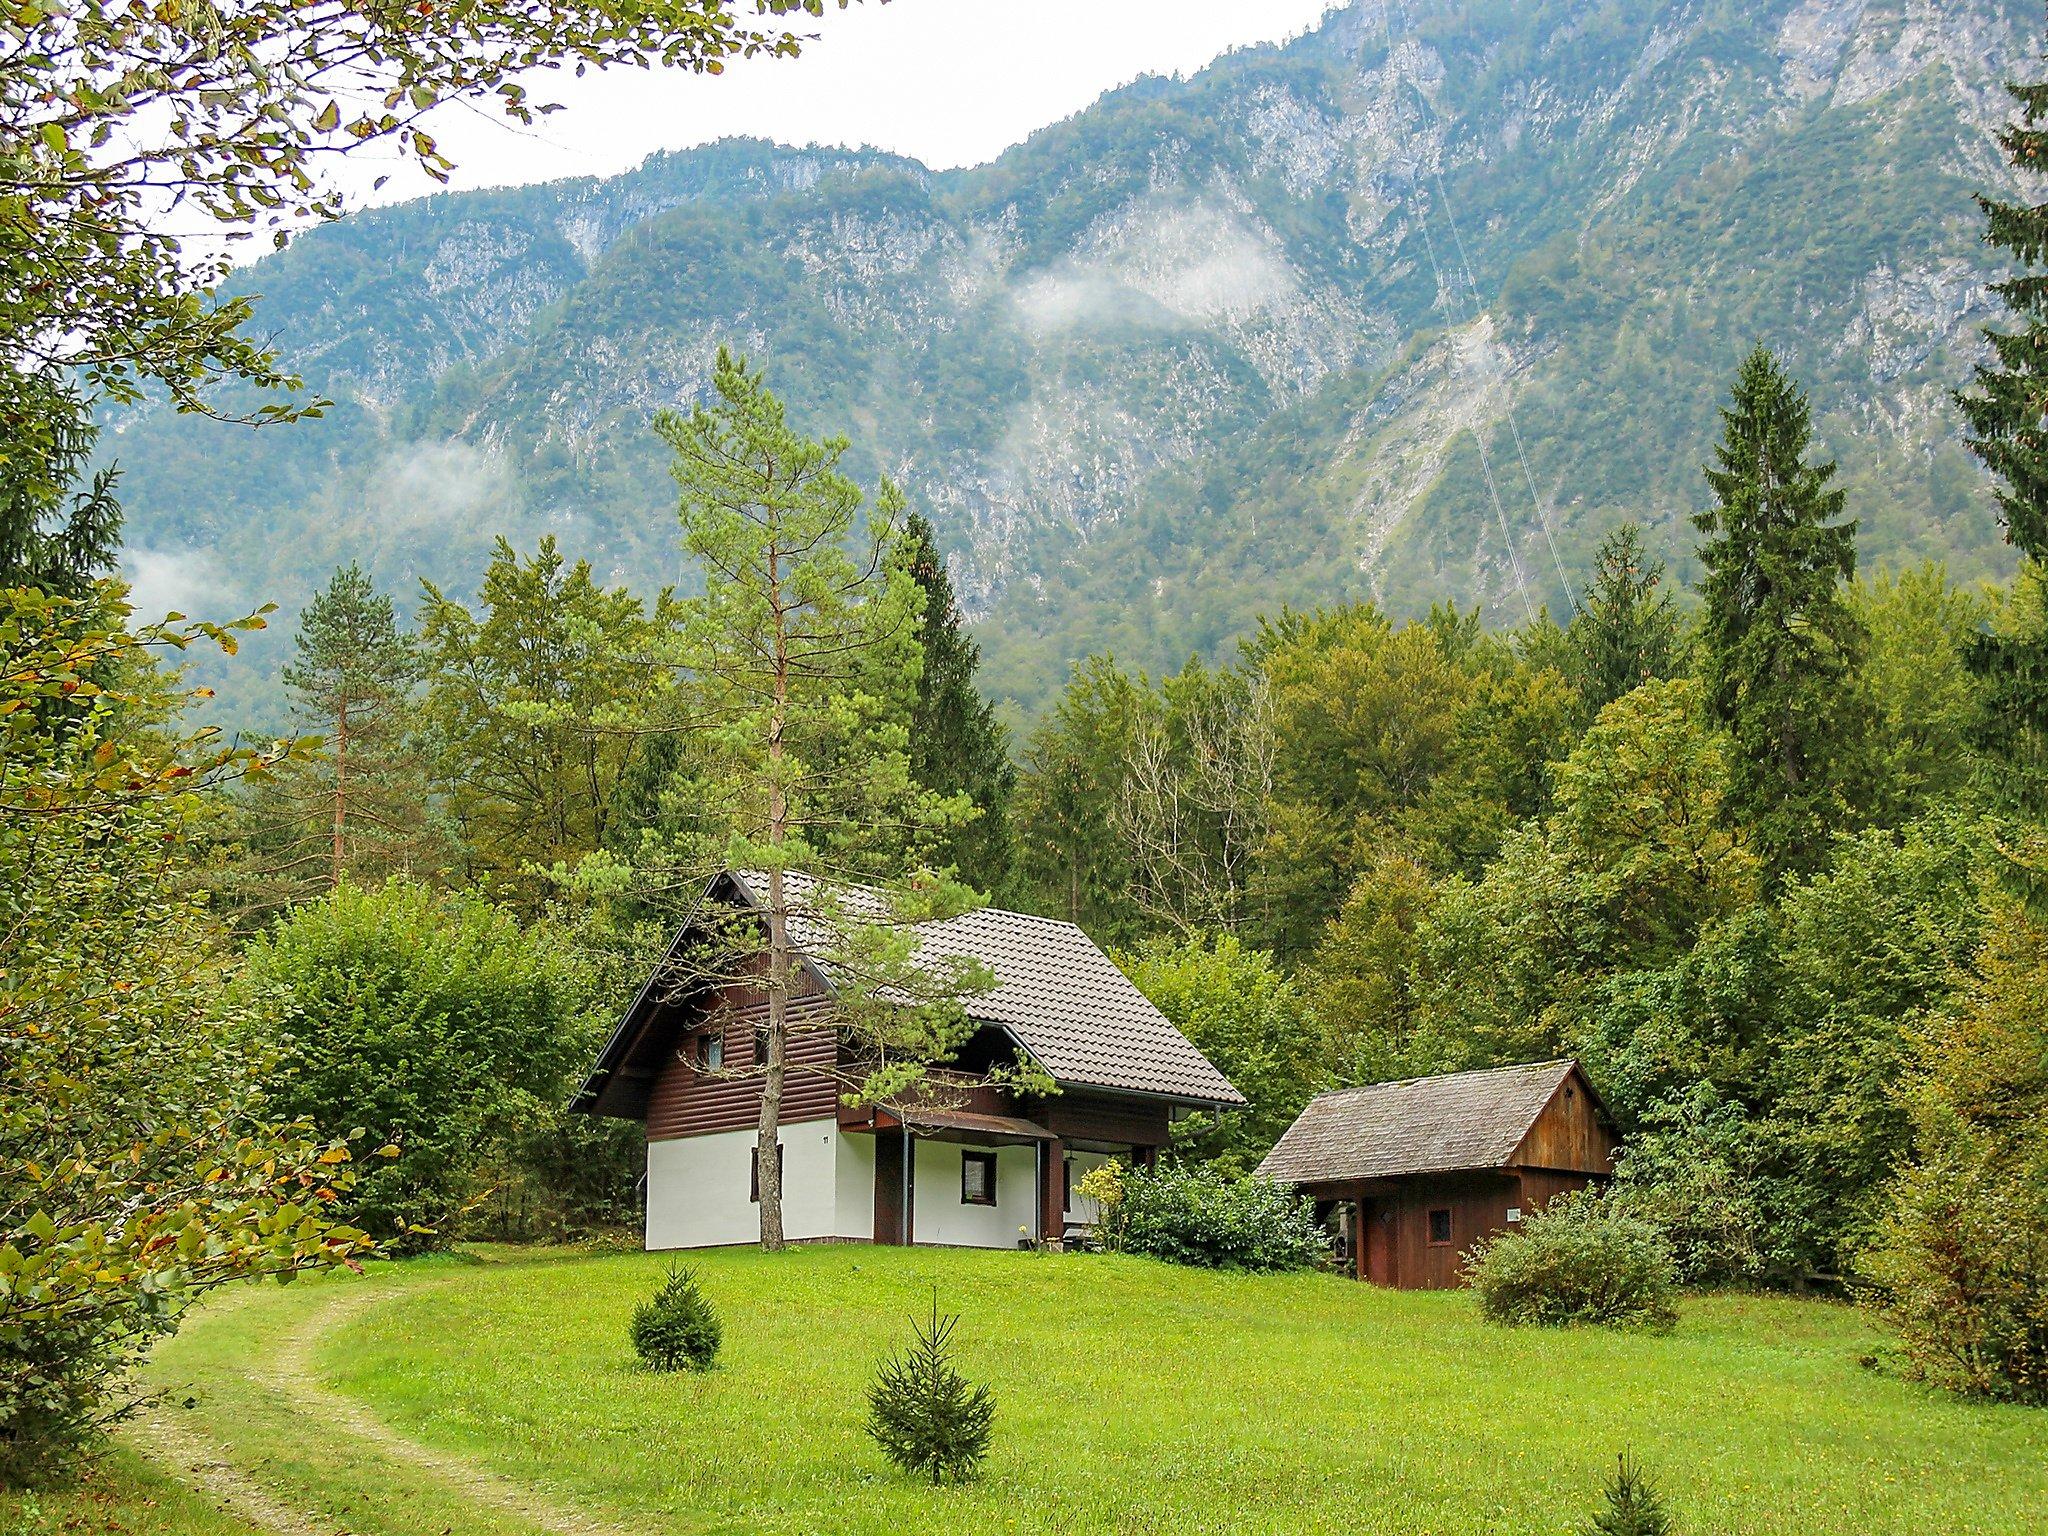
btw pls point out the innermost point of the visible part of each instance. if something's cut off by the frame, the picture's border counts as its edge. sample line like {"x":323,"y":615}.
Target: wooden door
{"x":1376,"y":1249}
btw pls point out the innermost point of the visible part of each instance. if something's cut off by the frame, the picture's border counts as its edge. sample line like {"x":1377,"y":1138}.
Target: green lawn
{"x":500,"y":1396}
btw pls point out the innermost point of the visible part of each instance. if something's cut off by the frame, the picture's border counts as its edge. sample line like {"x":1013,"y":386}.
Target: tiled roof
{"x":1419,"y":1125}
{"x":1079,"y":1017}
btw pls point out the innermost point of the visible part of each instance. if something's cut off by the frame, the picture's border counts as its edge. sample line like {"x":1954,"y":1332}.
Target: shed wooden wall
{"x":1397,"y":1250}
{"x":1569,"y":1135}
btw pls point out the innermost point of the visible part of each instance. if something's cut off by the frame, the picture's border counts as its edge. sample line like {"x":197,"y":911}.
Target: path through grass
{"x":501,"y":1397}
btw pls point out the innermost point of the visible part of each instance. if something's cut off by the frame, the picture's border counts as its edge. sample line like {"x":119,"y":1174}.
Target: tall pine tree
{"x":1626,"y":633}
{"x":359,"y":810}
{"x":1779,"y":641}
{"x":54,"y":537}
{"x":2007,"y":418}
{"x":957,"y":745}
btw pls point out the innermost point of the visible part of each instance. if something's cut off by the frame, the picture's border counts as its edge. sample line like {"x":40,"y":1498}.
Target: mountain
{"x":1417,"y":306}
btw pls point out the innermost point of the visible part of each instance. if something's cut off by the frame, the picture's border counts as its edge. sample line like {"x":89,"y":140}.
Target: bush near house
{"x":1578,"y":1260}
{"x":1197,"y":1215}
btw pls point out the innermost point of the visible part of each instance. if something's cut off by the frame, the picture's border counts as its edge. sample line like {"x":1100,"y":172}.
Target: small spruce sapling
{"x":923,"y":1413}
{"x":1633,"y":1508}
{"x":675,"y":1329}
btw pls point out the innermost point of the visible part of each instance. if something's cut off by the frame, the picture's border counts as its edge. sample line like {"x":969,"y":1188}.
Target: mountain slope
{"x":1414,"y":307}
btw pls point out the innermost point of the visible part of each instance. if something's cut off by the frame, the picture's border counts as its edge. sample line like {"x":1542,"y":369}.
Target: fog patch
{"x":446,"y":485}
{"x":165,"y":581}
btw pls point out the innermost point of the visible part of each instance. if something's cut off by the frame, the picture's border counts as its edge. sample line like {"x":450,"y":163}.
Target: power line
{"x":1472,"y":307}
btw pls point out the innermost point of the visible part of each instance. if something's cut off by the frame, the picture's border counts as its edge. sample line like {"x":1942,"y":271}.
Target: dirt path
{"x":292,"y":1373}
{"x":203,"y":1467}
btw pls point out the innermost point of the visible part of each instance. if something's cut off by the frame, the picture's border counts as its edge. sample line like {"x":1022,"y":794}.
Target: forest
{"x":1768,"y":855}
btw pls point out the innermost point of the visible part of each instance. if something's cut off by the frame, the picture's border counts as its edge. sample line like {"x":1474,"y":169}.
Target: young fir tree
{"x":1633,"y":1508}
{"x":2008,"y":430}
{"x":803,"y":660}
{"x":359,"y":810}
{"x":1779,"y":642}
{"x":1626,"y":633}
{"x":924,"y":1414}
{"x":957,"y":745}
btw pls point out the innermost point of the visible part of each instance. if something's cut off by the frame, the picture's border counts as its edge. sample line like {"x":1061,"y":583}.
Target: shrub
{"x":420,"y":1017}
{"x":924,"y":1414}
{"x":1195,"y":1215}
{"x":1633,"y":1508}
{"x":1961,"y":1271}
{"x":675,"y":1329}
{"x":1576,"y":1261}
{"x":1960,"y":1265}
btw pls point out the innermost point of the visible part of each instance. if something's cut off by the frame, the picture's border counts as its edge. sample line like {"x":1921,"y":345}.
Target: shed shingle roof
{"x":1463,"y":1120}
{"x":1080,"y":1018}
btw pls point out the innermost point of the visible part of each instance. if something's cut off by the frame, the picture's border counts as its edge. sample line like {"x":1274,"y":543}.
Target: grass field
{"x":496,"y":1394}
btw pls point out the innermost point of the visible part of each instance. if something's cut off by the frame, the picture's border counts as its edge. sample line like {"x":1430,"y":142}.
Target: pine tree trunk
{"x":768,"y":1150}
{"x":340,"y":793}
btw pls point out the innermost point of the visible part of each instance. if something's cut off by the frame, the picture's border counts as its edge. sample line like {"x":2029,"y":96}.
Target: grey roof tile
{"x":1081,"y":1019}
{"x":1462,"y":1120}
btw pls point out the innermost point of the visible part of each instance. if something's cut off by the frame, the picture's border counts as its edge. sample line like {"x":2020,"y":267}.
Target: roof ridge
{"x":1443,"y":1077}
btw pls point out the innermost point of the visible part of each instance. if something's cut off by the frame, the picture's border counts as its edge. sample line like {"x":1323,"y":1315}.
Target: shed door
{"x":1378,"y":1225}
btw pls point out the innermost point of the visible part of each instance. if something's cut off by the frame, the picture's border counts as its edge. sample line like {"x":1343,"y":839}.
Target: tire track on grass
{"x":292,"y":1370}
{"x":204,"y":1466}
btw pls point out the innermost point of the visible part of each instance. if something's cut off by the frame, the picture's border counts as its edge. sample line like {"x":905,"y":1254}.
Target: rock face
{"x":1416,"y":307}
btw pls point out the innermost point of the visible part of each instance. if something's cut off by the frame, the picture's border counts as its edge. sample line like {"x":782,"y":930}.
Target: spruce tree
{"x":1779,"y":641}
{"x":1626,"y":633}
{"x":1633,"y":1508}
{"x":957,"y":745}
{"x":2008,"y":430}
{"x":53,"y":537}
{"x":927,"y":1417}
{"x":359,"y":810}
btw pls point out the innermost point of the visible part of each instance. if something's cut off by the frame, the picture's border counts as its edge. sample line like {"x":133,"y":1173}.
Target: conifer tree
{"x":359,"y":810}
{"x":1626,"y":633}
{"x":957,"y":745}
{"x":803,"y":659}
{"x":1779,"y":640}
{"x":923,"y":1413}
{"x":2008,"y":430}
{"x":53,"y":537}
{"x":1633,"y":1508}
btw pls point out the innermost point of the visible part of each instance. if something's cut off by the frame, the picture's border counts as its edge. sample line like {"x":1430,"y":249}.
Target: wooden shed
{"x":1411,"y":1174}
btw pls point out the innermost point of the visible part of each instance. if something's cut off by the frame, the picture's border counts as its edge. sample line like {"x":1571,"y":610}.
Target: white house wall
{"x":940,"y":1218}
{"x":698,"y":1187}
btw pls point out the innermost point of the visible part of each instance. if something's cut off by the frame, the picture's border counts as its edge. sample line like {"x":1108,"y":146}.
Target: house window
{"x":977,"y":1178}
{"x":760,"y":1045}
{"x":754,"y":1171}
{"x":1067,"y":1185}
{"x":711,"y":1051}
{"x":1440,"y":1229}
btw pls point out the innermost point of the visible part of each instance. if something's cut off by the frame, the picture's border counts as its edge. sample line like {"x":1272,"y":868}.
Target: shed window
{"x":1440,"y":1228}
{"x":754,"y":1171}
{"x":711,"y":1051}
{"x":977,"y":1178}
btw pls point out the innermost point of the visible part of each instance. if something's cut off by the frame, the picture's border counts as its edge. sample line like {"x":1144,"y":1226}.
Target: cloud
{"x":165,"y":581}
{"x":1160,"y":264}
{"x":447,"y":485}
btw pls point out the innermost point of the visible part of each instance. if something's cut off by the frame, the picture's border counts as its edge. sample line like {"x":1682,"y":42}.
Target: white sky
{"x":950,"y":82}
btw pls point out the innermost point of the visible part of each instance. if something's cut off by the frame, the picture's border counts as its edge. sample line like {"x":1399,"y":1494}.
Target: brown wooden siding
{"x":687,"y":1102}
{"x":1077,"y":1116}
{"x":1568,"y":1135}
{"x":1397,"y":1248}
